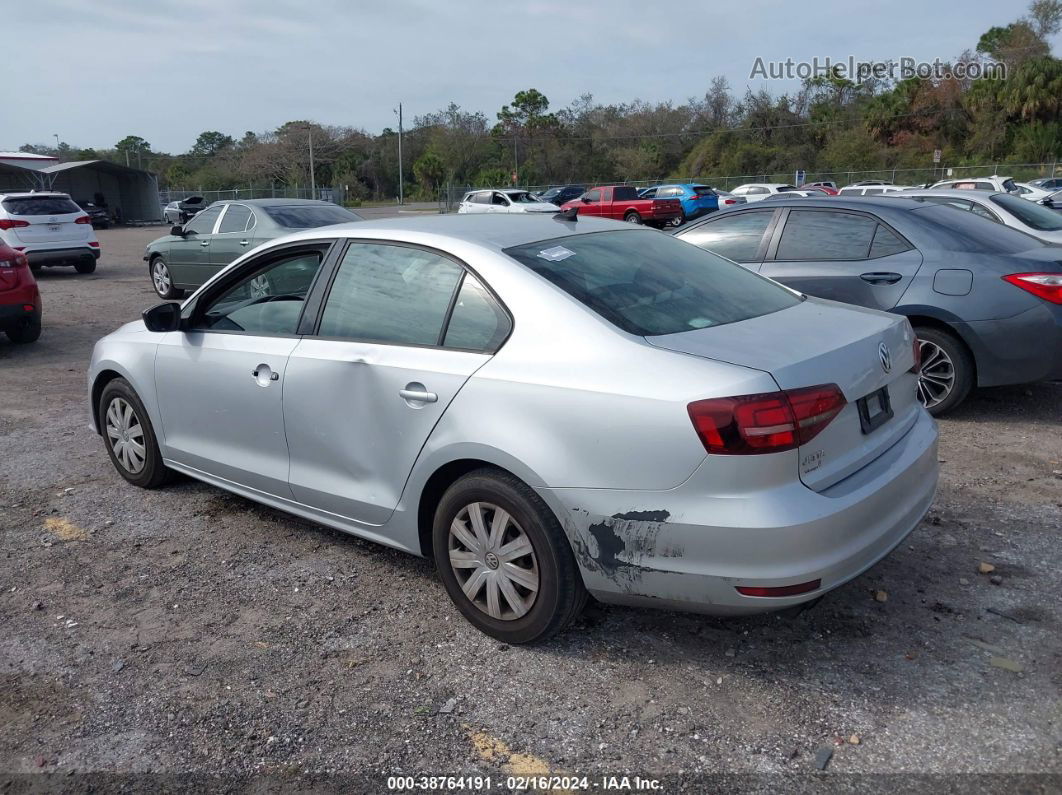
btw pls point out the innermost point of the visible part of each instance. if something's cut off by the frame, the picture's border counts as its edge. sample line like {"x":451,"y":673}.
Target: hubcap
{"x":126,"y":436}
{"x":161,"y":275}
{"x":493,"y":561}
{"x":936,"y":378}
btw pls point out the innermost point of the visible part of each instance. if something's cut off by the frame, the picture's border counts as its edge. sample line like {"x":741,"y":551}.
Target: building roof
{"x":104,"y":165}
{"x":25,"y":156}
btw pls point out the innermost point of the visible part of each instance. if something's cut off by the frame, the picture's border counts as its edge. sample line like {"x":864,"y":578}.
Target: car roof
{"x":956,"y":192}
{"x":889,"y":203}
{"x":274,"y":202}
{"x":494,"y":231}
{"x":48,"y":194}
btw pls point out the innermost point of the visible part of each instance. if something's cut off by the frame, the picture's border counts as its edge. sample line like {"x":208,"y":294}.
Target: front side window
{"x":500,"y":200}
{"x":203,"y":224}
{"x":236,"y":219}
{"x":736,"y":237}
{"x":826,"y":235}
{"x":269,"y":300}
{"x":390,"y":293}
{"x":593,"y":196}
{"x":650,"y":284}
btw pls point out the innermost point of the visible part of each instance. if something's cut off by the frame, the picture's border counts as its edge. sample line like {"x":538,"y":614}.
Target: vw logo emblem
{"x":884,"y":357}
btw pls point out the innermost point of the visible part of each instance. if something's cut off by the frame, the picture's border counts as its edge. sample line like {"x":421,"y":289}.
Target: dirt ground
{"x":186,"y":630}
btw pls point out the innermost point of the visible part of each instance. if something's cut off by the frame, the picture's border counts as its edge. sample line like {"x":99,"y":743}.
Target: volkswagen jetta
{"x":549,"y":407}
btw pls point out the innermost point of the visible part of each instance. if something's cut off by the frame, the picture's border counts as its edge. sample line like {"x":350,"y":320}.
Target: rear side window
{"x":1035,"y":215}
{"x":41,"y":205}
{"x":477,"y":322}
{"x":735,"y":237}
{"x":236,"y":219}
{"x":624,"y":193}
{"x":388,"y":293}
{"x":963,"y":231}
{"x":886,"y":242}
{"x":308,"y":216}
{"x":818,"y":235}
{"x":649,"y":284}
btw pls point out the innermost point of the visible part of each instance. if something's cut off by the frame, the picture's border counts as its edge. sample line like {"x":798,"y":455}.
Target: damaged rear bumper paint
{"x":689,"y":547}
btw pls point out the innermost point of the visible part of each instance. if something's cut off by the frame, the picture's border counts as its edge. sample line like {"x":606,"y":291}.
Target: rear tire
{"x":86,"y":266}
{"x":519,"y":534}
{"x":27,"y":331}
{"x":123,"y":421}
{"x":632,"y":218}
{"x":947,"y":372}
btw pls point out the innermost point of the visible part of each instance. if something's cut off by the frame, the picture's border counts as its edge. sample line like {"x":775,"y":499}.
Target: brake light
{"x":82,"y":219}
{"x":765,"y":423}
{"x":10,"y":223}
{"x":1043,"y":285}
{"x":94,"y":243}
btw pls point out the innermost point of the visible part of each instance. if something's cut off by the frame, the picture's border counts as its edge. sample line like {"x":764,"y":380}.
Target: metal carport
{"x":132,"y":193}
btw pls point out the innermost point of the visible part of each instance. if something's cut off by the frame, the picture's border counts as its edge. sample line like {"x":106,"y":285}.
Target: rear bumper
{"x":1019,"y":349}
{"x":688,"y":548}
{"x":14,"y":314}
{"x":61,"y":256}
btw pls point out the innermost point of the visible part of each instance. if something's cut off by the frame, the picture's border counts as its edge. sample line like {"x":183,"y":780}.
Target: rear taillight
{"x":82,"y":219}
{"x":1043,"y":285}
{"x":765,"y":423}
{"x":779,"y":590}
{"x":94,"y":243}
{"x":10,"y":223}
{"x":17,"y":261}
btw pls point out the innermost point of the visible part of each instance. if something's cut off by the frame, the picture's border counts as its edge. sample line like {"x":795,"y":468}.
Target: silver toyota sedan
{"x":549,"y":408}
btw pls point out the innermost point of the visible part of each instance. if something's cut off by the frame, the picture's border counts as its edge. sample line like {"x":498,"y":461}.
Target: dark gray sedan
{"x":188,"y":256}
{"x":985,"y":300}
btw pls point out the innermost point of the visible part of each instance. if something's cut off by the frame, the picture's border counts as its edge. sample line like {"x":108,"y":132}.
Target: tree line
{"x":830,"y":124}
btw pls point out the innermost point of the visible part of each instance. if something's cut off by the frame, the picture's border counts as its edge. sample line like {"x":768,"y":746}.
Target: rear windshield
{"x":623,"y":194}
{"x":308,"y":216}
{"x":703,"y":190}
{"x":648,"y":283}
{"x":1035,"y":215}
{"x":960,"y":230}
{"x":41,"y":205}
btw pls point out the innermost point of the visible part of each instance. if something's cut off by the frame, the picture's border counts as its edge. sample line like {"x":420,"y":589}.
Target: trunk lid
{"x":823,"y":342}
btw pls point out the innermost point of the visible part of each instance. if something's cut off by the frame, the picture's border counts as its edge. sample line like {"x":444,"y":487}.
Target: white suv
{"x":994,"y":183}
{"x":50,"y":229}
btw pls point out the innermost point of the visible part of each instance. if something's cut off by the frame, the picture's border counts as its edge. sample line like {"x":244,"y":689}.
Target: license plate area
{"x":875,"y":410}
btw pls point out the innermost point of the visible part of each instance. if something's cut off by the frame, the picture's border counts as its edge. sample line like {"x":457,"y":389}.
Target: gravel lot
{"x":190,"y":630}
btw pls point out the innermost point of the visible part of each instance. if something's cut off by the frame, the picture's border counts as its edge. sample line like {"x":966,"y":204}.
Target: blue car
{"x":697,"y":200}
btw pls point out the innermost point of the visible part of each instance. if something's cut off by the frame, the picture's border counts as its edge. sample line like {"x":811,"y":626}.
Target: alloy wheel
{"x":493,"y":561}
{"x":936,"y":377}
{"x":160,"y":275}
{"x":126,"y":436}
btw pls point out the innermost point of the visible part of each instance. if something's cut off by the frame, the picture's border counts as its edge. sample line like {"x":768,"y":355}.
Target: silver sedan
{"x":550,"y":408}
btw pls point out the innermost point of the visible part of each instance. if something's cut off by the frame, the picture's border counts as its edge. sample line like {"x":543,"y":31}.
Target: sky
{"x":94,"y":71}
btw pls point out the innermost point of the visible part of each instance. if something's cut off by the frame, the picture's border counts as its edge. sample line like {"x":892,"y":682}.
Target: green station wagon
{"x":188,"y":256}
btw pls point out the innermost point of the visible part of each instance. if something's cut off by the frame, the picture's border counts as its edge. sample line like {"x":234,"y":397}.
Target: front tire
{"x":162,"y":281}
{"x":129,"y":437}
{"x":946,"y":374}
{"x":504,"y":559}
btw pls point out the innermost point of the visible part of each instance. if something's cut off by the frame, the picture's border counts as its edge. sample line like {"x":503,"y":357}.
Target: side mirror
{"x":177,"y":230}
{"x":163,"y":317}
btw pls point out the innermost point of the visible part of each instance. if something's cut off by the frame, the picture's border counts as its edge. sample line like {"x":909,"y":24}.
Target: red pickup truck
{"x":621,"y":202}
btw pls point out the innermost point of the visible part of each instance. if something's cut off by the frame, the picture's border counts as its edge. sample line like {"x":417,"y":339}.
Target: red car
{"x":822,"y":187}
{"x":621,"y":202}
{"x":20,"y":300}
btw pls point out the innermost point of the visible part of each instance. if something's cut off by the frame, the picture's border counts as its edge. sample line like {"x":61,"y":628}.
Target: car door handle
{"x":418,"y":395}
{"x":204,"y":242}
{"x":244,"y":242}
{"x":880,"y":278}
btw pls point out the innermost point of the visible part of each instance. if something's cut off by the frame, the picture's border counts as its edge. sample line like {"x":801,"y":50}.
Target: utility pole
{"x":399,"y":112}
{"x":313,"y":181}
{"x":58,"y":153}
{"x":516,"y":160}
{"x":139,"y":149}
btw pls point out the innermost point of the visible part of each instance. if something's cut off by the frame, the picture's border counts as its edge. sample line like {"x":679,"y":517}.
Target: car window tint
{"x":40,"y":205}
{"x":308,"y":216}
{"x":650,"y":193}
{"x":735,"y":237}
{"x":500,"y":199}
{"x":477,"y":322}
{"x":963,"y":231}
{"x":483,"y":197}
{"x":203,"y":224}
{"x":825,"y":235}
{"x":984,"y":212}
{"x":235,"y":219}
{"x":594,"y":195}
{"x":647,"y":283}
{"x":387,"y":293}
{"x":624,"y":193}
{"x":1035,"y":215}
{"x":267,"y":301}
{"x":886,"y":242}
